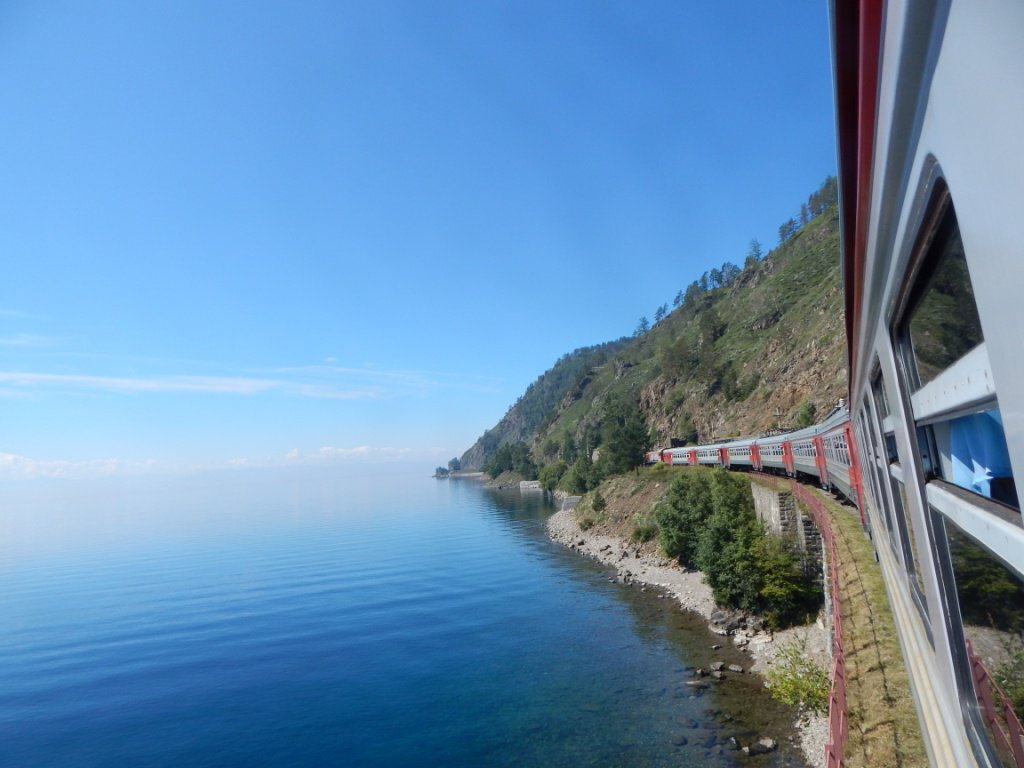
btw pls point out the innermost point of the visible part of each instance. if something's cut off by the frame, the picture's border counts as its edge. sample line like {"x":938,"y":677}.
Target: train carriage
{"x":931,"y":163}
{"x":931,"y":178}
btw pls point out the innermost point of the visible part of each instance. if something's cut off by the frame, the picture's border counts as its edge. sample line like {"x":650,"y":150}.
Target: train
{"x":824,"y":452}
{"x":930,"y":137}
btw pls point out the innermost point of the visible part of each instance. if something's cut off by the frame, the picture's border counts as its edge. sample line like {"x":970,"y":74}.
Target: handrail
{"x":1006,"y":729}
{"x":838,"y":719}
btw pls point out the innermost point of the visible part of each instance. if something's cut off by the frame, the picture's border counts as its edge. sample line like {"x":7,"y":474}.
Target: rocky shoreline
{"x":642,"y":564}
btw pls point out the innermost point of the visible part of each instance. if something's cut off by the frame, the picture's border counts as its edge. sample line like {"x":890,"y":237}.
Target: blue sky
{"x":255,"y":234}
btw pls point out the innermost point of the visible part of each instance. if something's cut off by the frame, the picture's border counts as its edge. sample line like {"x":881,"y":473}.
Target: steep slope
{"x":533,"y":412}
{"x":747,"y":351}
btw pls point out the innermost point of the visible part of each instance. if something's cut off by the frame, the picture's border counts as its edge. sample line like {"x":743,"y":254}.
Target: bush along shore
{"x":653,"y":524}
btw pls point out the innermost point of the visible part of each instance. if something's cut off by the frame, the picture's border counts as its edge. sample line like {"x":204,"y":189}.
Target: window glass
{"x":939,"y":327}
{"x":890,"y":448}
{"x":875,"y":472}
{"x":991,"y":658}
{"x":910,"y":554}
{"x":881,"y":402}
{"x":943,"y":325}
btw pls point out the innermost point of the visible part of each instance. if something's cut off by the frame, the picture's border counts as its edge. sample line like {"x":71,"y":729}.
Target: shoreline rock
{"x":638,"y":564}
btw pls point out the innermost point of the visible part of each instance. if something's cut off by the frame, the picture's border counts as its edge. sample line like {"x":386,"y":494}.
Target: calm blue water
{"x":308,"y":621}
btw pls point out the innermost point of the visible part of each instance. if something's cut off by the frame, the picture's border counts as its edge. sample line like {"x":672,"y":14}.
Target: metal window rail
{"x":838,"y":721}
{"x":1006,"y":729}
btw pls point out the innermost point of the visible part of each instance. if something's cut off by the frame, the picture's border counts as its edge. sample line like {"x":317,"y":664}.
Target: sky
{"x":258,"y":234}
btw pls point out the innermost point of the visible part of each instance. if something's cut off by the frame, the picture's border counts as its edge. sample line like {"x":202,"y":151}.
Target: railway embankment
{"x":883,"y":726}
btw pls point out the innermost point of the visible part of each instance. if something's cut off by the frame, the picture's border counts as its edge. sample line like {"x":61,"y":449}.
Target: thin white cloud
{"x":410,"y":382}
{"x":237,"y":385}
{"x":385,"y":452}
{"x":29,"y":340}
{"x":331,"y":452}
{"x":13,"y":465}
{"x":312,"y":381}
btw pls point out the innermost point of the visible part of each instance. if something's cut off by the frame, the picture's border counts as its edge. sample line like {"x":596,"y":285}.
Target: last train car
{"x":930,"y":118}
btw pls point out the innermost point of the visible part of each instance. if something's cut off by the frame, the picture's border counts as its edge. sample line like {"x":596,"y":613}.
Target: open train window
{"x":941,"y":347}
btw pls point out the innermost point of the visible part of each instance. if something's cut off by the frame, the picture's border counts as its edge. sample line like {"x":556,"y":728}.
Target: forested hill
{"x":533,"y":412}
{"x":743,"y":350}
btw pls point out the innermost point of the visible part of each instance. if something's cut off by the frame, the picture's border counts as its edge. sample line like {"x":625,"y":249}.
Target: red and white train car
{"x":930,"y":114}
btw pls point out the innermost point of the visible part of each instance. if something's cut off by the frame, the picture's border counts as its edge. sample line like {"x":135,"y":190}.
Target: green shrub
{"x":550,"y":474}
{"x":787,"y":595}
{"x":514,"y":457}
{"x":581,"y":477}
{"x":645,"y":527}
{"x":797,"y":680}
{"x":681,"y":516}
{"x":805,"y":417}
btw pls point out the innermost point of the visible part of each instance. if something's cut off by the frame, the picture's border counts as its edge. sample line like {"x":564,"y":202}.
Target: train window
{"x":960,"y":432}
{"x":890,"y":447}
{"x":987,"y":639}
{"x":881,"y":401}
{"x":942,"y":324}
{"x":876,"y":472}
{"x":910,"y":552}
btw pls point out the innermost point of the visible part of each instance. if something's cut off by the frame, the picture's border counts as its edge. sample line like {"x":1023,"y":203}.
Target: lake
{"x":303,"y":619}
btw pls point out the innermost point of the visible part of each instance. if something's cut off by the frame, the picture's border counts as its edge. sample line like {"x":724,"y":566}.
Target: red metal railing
{"x":1006,"y":730}
{"x":838,"y":723}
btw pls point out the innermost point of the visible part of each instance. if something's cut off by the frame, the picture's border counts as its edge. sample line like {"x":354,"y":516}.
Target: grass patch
{"x":645,"y":527}
{"x":591,"y":510}
{"x":884,"y":729}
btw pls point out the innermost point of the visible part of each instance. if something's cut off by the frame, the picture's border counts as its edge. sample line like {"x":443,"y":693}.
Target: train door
{"x":819,"y":460}
{"x":787,"y":457}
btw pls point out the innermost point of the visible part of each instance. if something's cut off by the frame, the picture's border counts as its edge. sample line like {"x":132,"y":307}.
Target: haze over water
{"x":311,"y":620}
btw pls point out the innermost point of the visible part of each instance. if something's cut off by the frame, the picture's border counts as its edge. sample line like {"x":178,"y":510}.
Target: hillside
{"x":744,"y":351}
{"x":534,"y":411}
